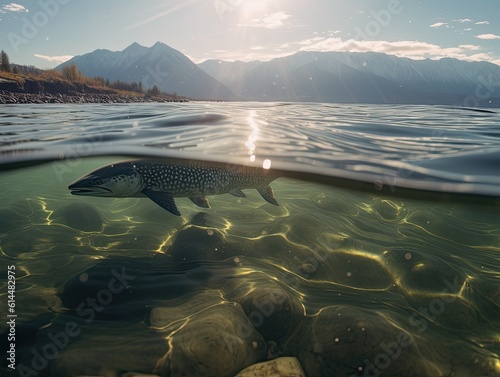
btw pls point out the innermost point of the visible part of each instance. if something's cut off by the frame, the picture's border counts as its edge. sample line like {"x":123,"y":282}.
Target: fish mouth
{"x":90,"y":191}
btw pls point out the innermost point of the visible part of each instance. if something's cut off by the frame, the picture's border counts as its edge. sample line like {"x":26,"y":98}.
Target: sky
{"x":45,"y":33}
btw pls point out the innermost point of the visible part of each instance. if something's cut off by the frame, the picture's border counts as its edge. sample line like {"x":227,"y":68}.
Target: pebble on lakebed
{"x":281,"y":367}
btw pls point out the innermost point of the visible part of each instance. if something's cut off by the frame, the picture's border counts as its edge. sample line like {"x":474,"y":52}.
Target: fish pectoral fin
{"x":200,"y":201}
{"x":163,"y":199}
{"x":238,"y":193}
{"x":267,"y":193}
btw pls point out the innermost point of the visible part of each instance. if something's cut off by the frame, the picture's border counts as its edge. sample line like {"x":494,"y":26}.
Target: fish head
{"x":115,"y":180}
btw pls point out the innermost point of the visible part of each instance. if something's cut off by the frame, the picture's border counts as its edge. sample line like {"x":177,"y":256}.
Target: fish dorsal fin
{"x":163,"y":199}
{"x":200,"y":201}
{"x":267,"y":194}
{"x":238,"y":193}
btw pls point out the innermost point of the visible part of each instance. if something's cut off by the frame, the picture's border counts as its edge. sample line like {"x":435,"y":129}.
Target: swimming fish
{"x":163,"y":181}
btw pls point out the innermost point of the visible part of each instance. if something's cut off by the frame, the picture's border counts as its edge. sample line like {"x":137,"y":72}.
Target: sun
{"x":250,"y":9}
{"x":255,"y":5}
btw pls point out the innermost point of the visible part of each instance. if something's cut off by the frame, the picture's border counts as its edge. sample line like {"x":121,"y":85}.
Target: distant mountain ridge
{"x":160,"y":65}
{"x":366,"y":77}
{"x":228,"y":72}
{"x":346,"y":77}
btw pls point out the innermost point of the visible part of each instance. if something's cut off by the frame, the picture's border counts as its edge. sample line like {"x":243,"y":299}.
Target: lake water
{"x":382,"y":258}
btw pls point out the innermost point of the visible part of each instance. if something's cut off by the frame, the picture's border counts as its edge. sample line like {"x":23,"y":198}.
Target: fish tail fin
{"x":267,"y":193}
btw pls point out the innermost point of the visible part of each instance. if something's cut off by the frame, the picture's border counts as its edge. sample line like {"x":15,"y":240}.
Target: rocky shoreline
{"x":19,"y":89}
{"x":7,"y":97}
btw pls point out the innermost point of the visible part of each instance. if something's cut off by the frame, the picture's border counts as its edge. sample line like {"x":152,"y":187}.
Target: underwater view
{"x":358,"y":240}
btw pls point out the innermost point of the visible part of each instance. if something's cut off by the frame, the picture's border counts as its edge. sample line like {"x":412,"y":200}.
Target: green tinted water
{"x":380,"y":285}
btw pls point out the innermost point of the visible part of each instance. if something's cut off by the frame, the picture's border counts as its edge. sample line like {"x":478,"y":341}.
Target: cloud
{"x":408,"y":49}
{"x":439,"y":24}
{"x":462,"y":20}
{"x":271,"y":21}
{"x":488,"y":36}
{"x":469,"y":47}
{"x":482,"y":23}
{"x":263,"y":53}
{"x":56,"y":59}
{"x":312,"y":41}
{"x":13,"y":7}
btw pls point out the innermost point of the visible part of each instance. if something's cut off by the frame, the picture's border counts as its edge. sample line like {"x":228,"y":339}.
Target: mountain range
{"x":160,"y":65}
{"x":345,"y":77}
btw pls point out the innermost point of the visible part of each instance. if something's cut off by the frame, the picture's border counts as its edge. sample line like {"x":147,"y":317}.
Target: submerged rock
{"x":356,"y":269}
{"x":118,"y":282}
{"x":209,"y":340}
{"x":281,"y":367}
{"x":178,"y":309}
{"x":11,"y":220}
{"x":106,"y":349}
{"x":198,"y":244}
{"x":345,"y":341}
{"x":274,"y":310}
{"x":80,"y":216}
{"x":18,"y":216}
{"x":198,"y":334}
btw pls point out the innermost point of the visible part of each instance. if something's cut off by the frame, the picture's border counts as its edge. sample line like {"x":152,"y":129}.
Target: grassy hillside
{"x":54,"y":82}
{"x":70,"y":83}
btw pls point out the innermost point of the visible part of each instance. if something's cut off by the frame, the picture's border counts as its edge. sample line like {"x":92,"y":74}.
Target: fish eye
{"x":97,"y":181}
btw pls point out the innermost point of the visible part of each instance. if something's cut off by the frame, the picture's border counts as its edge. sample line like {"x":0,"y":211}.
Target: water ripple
{"x":402,"y":146}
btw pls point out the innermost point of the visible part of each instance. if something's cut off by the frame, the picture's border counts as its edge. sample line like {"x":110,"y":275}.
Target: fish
{"x":162,"y":181}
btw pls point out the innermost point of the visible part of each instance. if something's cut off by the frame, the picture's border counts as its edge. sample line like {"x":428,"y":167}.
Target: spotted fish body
{"x":162,"y":181}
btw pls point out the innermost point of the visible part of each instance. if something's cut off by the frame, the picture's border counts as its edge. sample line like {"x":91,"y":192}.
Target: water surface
{"x":382,"y":258}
